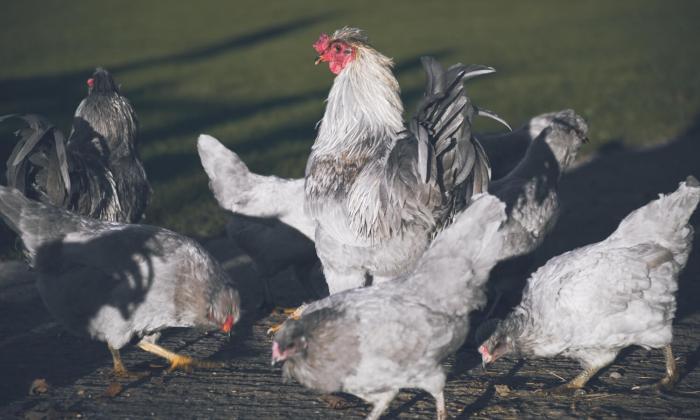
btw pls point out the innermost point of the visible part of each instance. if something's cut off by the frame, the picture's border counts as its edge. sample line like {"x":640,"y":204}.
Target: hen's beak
{"x":228,"y":325}
{"x":318,"y":60}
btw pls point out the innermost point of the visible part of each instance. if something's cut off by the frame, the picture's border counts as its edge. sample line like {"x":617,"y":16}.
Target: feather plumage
{"x":378,"y":190}
{"x":97,"y":172}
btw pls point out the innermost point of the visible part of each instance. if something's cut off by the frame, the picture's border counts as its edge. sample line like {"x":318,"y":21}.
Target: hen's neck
{"x":519,"y":327}
{"x":364,"y":110}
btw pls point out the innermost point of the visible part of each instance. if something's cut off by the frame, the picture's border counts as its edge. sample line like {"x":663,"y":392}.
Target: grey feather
{"x":374,"y":341}
{"x":378,"y":192}
{"x":590,"y":303}
{"x":97,"y":172}
{"x":530,"y":192}
{"x":490,"y":114}
{"x":113,"y":281}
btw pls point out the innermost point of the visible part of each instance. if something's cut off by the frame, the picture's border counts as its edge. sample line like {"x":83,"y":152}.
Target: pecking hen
{"x":374,"y":341}
{"x":97,"y":173}
{"x":113,"y":281}
{"x":377,"y":190}
{"x":590,"y":303}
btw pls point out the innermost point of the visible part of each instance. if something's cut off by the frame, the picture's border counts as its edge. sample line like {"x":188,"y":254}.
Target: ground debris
{"x":502,"y":390}
{"x":114,"y":389}
{"x":38,"y":386}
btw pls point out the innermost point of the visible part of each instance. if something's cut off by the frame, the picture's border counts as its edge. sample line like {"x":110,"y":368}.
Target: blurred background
{"x":243,"y":72}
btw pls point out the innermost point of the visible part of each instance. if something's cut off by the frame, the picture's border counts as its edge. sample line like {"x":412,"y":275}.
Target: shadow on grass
{"x":57,"y":93}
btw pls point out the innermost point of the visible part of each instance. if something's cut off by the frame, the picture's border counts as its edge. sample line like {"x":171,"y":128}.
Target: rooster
{"x":377,"y":190}
{"x":97,"y":172}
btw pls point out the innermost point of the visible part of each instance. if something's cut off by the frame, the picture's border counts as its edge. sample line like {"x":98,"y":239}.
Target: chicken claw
{"x":119,"y":370}
{"x":575,"y":386}
{"x":177,"y":361}
{"x":668,"y":382}
{"x":292,"y":314}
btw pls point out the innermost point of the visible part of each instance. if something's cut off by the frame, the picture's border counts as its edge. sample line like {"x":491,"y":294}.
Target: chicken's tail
{"x":664,"y":220}
{"x":442,"y":125}
{"x":36,"y":223}
{"x":38,"y":165}
{"x":239,"y":190}
{"x":229,"y":178}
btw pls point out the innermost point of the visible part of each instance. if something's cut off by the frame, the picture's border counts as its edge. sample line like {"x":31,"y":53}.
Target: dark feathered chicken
{"x":590,"y":303}
{"x":114,"y":281}
{"x":530,"y":192}
{"x":97,"y":172}
{"x":373,"y":341}
{"x":378,"y":190}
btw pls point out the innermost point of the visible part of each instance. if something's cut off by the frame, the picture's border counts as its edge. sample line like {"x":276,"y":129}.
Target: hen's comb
{"x":322,"y":44}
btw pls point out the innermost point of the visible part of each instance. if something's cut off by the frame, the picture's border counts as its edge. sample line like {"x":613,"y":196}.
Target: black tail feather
{"x":38,"y":165}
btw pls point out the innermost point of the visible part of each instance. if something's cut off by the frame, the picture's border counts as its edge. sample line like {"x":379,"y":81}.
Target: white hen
{"x":590,"y":303}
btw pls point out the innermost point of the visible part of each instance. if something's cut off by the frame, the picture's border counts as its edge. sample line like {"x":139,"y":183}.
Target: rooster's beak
{"x":318,"y":60}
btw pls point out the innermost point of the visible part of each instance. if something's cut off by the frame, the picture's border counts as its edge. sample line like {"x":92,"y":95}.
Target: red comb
{"x":322,"y":44}
{"x":90,"y":82}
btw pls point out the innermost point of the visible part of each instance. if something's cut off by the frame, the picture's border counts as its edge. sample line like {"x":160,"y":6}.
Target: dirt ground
{"x":596,"y":195}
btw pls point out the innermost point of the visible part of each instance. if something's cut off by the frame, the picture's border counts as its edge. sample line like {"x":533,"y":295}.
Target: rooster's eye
{"x":337,"y":48}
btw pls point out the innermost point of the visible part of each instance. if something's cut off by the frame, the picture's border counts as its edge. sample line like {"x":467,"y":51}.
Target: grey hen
{"x":98,"y":172}
{"x":379,"y":191}
{"x":530,"y":192}
{"x":373,"y":341}
{"x":114,"y":281}
{"x":590,"y":303}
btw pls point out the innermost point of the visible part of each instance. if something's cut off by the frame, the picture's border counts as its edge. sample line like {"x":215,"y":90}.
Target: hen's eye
{"x":337,"y":48}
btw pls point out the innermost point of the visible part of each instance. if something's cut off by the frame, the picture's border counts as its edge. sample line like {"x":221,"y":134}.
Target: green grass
{"x":243,"y":72}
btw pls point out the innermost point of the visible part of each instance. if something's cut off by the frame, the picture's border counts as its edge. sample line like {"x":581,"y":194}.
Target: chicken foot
{"x":667,"y":382}
{"x":119,"y":369}
{"x":577,"y":383}
{"x":176,"y":360}
{"x":294,"y":314}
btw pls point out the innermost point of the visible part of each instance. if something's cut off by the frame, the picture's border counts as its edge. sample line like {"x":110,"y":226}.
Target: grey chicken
{"x":97,"y":172}
{"x":590,"y":303}
{"x":530,"y":192}
{"x":378,"y":191}
{"x":113,"y":281}
{"x":374,"y":341}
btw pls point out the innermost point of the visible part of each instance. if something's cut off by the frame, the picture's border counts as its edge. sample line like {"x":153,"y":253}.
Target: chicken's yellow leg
{"x":669,"y":381}
{"x":578,"y":382}
{"x":294,"y":314}
{"x":176,"y":360}
{"x":119,"y":369}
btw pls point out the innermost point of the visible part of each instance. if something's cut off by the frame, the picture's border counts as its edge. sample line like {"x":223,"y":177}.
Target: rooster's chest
{"x":332,"y":178}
